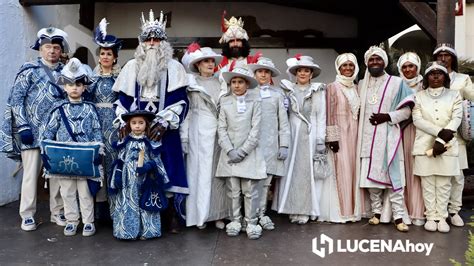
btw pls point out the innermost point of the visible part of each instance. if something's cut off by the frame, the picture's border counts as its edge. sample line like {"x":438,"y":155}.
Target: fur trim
{"x":333,"y":133}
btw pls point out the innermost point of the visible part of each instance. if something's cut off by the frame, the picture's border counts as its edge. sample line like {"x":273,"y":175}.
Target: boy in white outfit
{"x":241,"y":159}
{"x":275,"y":132}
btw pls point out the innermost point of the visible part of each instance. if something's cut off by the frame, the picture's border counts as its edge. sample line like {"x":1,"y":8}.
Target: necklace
{"x":433,"y":95}
{"x":374,"y":87}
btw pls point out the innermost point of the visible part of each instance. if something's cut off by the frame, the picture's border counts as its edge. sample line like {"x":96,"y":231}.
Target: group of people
{"x":198,"y":142}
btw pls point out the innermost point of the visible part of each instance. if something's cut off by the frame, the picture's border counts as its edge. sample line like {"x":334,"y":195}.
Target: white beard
{"x":151,"y":61}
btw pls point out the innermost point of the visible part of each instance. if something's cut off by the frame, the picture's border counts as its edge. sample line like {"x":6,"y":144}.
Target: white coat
{"x":241,"y":131}
{"x":298,"y":191}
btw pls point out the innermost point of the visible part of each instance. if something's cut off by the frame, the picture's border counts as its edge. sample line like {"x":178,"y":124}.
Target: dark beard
{"x":236,"y":52}
{"x":376,"y":71}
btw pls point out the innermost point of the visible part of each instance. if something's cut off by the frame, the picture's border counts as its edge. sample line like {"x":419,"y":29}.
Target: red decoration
{"x":193,"y":47}
{"x":298,"y":56}
{"x":223,"y":27}
{"x":459,"y":10}
{"x":253,"y":59}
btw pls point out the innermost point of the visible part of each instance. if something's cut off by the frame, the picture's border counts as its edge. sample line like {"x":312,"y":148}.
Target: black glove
{"x":334,"y":146}
{"x":27,"y":137}
{"x":380,"y":118}
{"x":438,"y":148}
{"x":446,"y":134}
{"x":147,"y":167}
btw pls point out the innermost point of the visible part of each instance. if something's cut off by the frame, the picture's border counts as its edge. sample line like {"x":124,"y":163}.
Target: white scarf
{"x":348,"y":86}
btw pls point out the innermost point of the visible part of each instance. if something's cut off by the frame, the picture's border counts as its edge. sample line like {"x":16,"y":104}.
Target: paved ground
{"x":288,"y":244}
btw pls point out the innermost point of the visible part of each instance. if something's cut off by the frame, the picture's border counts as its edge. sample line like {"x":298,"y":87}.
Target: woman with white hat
{"x":409,"y":67}
{"x":241,"y":159}
{"x":299,"y":192}
{"x":207,"y":199}
{"x":341,"y":197}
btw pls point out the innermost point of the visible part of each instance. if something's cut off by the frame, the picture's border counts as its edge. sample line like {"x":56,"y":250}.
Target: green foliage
{"x":469,"y":254}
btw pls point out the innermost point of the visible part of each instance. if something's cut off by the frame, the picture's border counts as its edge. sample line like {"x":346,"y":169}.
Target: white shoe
{"x":303,"y":219}
{"x":456,"y":220}
{"x":443,"y":226}
{"x":220,"y":224}
{"x":58,"y":219}
{"x":70,"y":229}
{"x":266,"y":223}
{"x":28,"y":224}
{"x":293,"y":218}
{"x":233,"y":228}
{"x":431,"y":226}
{"x":254,"y":231}
{"x":418,"y":222}
{"x":200,"y":227}
{"x":88,"y":230}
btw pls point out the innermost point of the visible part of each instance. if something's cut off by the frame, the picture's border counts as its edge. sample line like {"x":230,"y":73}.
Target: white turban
{"x":375,"y":50}
{"x":414,"y":59}
{"x":340,"y":60}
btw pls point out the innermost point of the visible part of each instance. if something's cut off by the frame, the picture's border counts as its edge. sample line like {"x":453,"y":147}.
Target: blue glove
{"x":45,"y":159}
{"x":147,"y":167}
{"x":27,"y":137}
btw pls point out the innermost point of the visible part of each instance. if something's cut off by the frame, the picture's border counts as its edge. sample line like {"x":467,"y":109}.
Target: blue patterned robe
{"x":82,"y":118}
{"x":129,"y":220}
{"x":102,"y":95}
{"x":31,"y":99}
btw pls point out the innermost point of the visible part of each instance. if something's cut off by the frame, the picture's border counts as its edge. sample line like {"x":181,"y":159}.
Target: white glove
{"x":234,"y":156}
{"x":320,"y":148}
{"x":185,"y":147}
{"x":282,"y":153}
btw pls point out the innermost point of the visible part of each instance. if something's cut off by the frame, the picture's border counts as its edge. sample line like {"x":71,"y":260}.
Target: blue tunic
{"x":31,"y":99}
{"x":129,"y":220}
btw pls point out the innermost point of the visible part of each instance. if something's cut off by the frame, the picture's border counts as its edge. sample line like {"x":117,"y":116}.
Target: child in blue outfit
{"x":138,"y":167}
{"x":74,"y":122}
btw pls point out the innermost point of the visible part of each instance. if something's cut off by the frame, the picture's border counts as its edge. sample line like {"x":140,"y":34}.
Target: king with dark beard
{"x":155,"y":82}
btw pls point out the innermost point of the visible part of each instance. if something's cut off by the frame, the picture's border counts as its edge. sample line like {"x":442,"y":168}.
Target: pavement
{"x":288,"y":244}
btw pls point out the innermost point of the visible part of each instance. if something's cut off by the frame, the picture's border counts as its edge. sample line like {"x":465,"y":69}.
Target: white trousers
{"x":396,"y":200}
{"x":455,"y":200}
{"x":31,"y":160}
{"x":248,"y":187}
{"x":70,"y":188}
{"x":436,"y":192}
{"x":263,"y":187}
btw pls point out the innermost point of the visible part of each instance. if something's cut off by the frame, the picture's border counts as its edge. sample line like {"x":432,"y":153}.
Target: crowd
{"x":213,"y":139}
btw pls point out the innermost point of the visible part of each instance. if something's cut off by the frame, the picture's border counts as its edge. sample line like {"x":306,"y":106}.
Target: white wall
{"x":464,"y":33}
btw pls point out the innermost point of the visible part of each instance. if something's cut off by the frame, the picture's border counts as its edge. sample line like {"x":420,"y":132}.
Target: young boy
{"x":275,"y":135}
{"x":74,"y":121}
{"x":241,"y":159}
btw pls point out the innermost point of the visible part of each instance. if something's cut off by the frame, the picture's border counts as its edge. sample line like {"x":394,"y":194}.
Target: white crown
{"x":153,"y":28}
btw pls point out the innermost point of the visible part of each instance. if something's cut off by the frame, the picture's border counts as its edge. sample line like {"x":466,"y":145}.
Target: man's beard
{"x":376,"y":71}
{"x":151,"y":61}
{"x":236,"y":52}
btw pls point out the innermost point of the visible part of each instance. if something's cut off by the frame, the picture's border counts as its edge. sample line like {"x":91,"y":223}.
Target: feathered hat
{"x":240,"y":72}
{"x":51,"y":35}
{"x":302,"y":61}
{"x":74,"y":72}
{"x":232,"y":29}
{"x":104,"y":40}
{"x":264,"y":63}
{"x":196,"y":53}
{"x":153,"y":28}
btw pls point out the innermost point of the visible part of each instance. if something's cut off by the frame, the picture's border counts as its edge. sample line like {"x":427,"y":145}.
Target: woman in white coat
{"x":298,"y":191}
{"x":207,"y":194}
{"x":436,"y":116}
